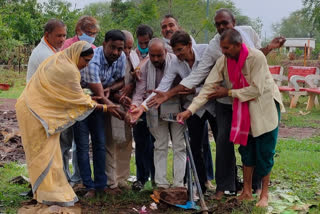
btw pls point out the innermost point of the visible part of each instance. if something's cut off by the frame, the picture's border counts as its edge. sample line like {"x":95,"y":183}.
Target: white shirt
{"x":169,"y":48}
{"x":38,"y":55}
{"x":213,"y":52}
{"x":183,"y":69}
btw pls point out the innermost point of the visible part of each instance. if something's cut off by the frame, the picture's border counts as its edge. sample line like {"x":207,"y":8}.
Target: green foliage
{"x":312,"y":12}
{"x":315,"y":52}
{"x":298,"y":52}
{"x":27,"y":27}
{"x":9,"y":193}
{"x":16,"y":80}
{"x":61,"y":9}
{"x":23,"y":19}
{"x":294,"y":26}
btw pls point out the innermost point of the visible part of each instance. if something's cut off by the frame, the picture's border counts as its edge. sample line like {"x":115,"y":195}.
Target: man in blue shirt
{"x":104,"y":76}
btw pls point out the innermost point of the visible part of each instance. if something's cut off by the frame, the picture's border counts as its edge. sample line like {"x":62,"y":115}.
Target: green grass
{"x":297,"y":169}
{"x":16,"y":80}
{"x":9,"y":193}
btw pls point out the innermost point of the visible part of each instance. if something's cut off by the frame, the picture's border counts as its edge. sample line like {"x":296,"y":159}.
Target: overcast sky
{"x":270,"y":11}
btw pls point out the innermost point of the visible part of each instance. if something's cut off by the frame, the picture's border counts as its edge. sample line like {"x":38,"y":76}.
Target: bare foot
{"x":217,"y":196}
{"x":245,"y":196}
{"x":263,"y":202}
{"x":90,"y":194}
{"x":258,"y":192}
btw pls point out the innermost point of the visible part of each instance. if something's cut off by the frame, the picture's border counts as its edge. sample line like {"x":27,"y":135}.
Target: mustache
{"x":169,"y":31}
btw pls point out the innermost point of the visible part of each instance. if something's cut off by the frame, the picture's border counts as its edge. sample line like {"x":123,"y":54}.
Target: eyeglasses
{"x":178,"y":51}
{"x":224,"y":23}
{"x":90,"y":33}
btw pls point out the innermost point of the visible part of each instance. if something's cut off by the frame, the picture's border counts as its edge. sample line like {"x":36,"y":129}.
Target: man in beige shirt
{"x":263,"y":99}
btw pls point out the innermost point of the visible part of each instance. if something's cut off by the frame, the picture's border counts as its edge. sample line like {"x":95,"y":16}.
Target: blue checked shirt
{"x":99,"y":70}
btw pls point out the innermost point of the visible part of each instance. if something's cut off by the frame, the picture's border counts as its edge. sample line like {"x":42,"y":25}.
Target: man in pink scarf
{"x":242,"y":75}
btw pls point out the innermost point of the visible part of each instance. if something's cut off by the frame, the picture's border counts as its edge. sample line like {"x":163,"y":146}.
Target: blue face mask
{"x":143,"y":51}
{"x":85,"y":37}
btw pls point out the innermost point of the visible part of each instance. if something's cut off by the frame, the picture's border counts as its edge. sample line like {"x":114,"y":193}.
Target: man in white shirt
{"x":55,"y":32}
{"x":225,"y":157}
{"x":169,"y":25}
{"x":188,"y":59}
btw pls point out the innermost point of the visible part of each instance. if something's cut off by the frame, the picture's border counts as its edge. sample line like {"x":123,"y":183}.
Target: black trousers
{"x":225,"y":157}
{"x":198,"y":131}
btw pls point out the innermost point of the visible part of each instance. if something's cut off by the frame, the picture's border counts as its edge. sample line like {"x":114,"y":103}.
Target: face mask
{"x":85,"y":37}
{"x":143,"y":51}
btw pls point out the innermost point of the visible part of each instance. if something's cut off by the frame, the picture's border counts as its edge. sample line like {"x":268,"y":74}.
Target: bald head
{"x":157,"y":52}
{"x":157,"y":42}
{"x":128,"y":42}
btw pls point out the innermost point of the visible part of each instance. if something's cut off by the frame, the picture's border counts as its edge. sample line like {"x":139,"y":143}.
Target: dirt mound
{"x":10,"y":141}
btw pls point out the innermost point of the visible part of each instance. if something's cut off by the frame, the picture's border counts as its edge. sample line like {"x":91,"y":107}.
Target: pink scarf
{"x":240,"y":125}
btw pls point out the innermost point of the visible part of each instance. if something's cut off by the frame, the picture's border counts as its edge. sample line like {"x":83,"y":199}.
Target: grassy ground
{"x":16,"y":80}
{"x":296,"y":173}
{"x":295,"y":176}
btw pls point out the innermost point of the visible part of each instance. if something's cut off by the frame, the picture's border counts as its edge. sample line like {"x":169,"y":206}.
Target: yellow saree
{"x":51,"y":102}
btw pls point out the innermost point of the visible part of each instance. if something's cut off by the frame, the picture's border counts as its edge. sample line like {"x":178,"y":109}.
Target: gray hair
{"x":226,"y":10}
{"x":128,"y":35}
{"x":86,"y":22}
{"x":52,"y":24}
{"x":157,"y":41}
{"x":233,"y":36}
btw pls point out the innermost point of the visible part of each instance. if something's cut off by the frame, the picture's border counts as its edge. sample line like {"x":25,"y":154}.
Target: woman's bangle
{"x":229,"y":93}
{"x":105,"y":108}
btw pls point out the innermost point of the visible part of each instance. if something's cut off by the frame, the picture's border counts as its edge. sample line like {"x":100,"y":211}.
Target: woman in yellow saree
{"x":51,"y":102}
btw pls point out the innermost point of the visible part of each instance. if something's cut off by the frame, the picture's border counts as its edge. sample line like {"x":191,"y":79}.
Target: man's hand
{"x":128,"y":118}
{"x":127,"y":90}
{"x":183,"y":116}
{"x":158,"y":99}
{"x":218,"y":93}
{"x":277,"y":42}
{"x":136,"y":74}
{"x":114,"y":110}
{"x":125,"y":101}
{"x":135,"y":114}
{"x":106,"y":92}
{"x":187,"y":91}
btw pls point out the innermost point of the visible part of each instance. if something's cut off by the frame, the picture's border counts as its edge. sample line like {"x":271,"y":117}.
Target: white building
{"x":292,"y":43}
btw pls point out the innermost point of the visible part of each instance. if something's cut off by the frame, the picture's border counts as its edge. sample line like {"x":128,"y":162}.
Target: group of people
{"x":112,"y":95}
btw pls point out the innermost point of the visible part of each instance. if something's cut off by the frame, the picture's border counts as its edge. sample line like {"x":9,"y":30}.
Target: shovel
{"x":191,"y":204}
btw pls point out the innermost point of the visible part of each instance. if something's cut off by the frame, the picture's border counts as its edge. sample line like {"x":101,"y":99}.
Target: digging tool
{"x":191,"y":204}
{"x":204,"y":208}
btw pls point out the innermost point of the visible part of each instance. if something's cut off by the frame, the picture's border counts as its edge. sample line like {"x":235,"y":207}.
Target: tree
{"x":102,"y":12}
{"x":296,"y":25}
{"x":61,"y":9}
{"x":23,"y":18}
{"x":312,"y":12}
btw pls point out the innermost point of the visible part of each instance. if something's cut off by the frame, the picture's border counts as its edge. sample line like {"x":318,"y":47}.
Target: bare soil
{"x":10,"y":141}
